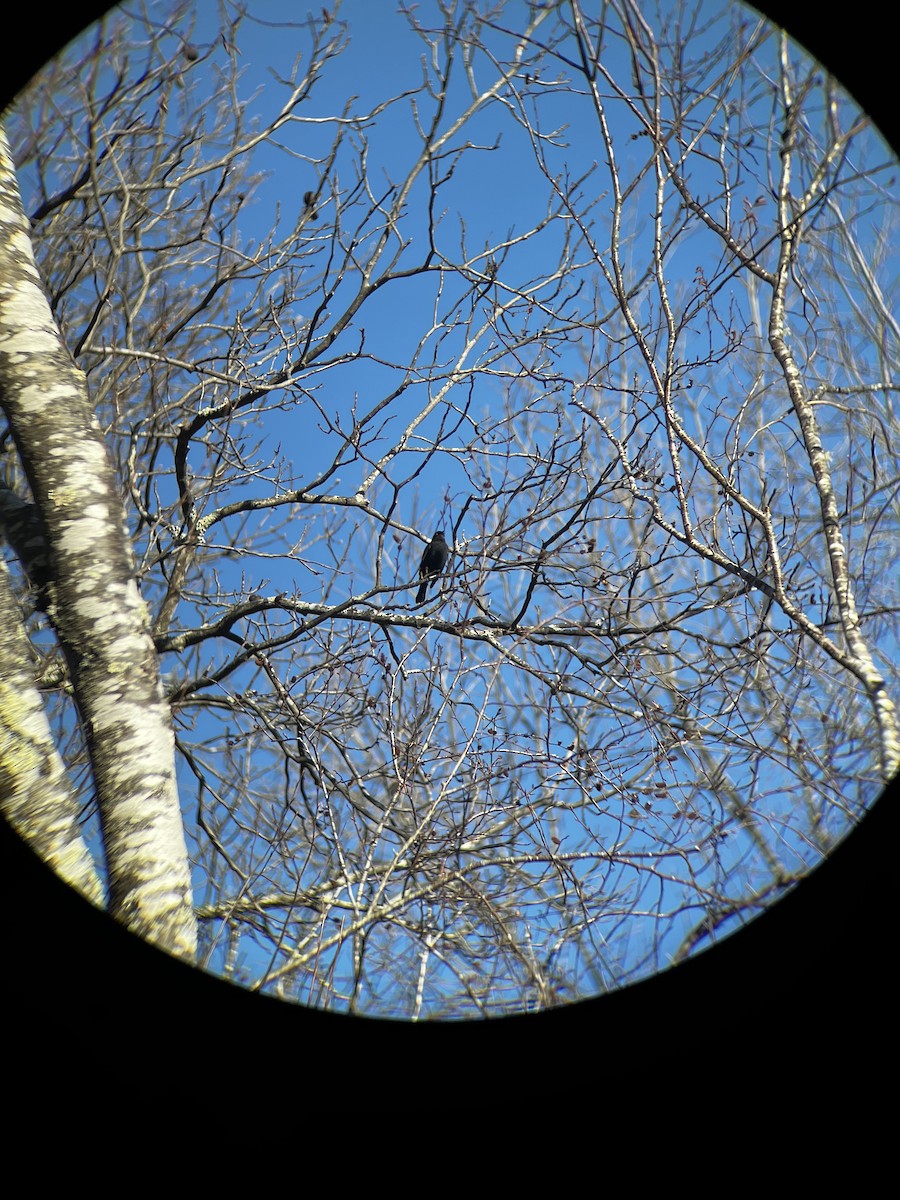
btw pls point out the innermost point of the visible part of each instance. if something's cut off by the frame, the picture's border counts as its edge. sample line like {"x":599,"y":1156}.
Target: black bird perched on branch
{"x":433,"y":562}
{"x":309,"y":201}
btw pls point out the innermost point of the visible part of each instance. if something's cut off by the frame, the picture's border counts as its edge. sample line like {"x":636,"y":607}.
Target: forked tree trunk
{"x":94,"y":604}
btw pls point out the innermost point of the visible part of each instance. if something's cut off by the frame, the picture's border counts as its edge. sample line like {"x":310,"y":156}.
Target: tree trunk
{"x":93,"y":601}
{"x":35,"y":795}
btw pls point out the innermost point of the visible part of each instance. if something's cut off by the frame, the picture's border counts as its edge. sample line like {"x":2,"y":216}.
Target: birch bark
{"x":93,"y":600}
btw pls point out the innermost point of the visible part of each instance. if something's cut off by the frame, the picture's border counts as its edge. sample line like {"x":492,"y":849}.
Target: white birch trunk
{"x":98,"y":614}
{"x":35,"y":796}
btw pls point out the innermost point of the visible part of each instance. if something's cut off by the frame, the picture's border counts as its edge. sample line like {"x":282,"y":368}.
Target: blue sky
{"x":496,"y":194}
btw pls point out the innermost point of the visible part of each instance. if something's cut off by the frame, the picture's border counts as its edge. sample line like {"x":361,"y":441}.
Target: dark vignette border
{"x":801,"y":1003}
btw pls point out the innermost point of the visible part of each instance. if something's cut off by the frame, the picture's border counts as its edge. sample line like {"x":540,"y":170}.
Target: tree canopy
{"x":607,"y":298}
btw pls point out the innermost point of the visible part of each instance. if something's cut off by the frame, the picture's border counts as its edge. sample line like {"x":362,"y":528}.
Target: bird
{"x":434,"y":559}
{"x":309,"y":201}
